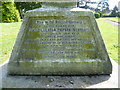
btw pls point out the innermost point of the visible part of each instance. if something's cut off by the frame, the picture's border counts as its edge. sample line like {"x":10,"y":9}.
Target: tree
{"x":114,"y":12}
{"x":86,"y":4}
{"x":9,"y":12}
{"x":82,"y":3}
{"x":0,"y":12}
{"x":25,"y":6}
{"x":103,"y":7}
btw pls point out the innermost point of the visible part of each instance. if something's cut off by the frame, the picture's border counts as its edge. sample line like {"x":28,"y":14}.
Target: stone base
{"x":95,"y":81}
{"x":59,"y":67}
{"x":55,"y":41}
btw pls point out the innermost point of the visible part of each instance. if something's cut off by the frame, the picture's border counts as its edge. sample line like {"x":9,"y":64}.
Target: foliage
{"x":114,"y":12}
{"x":25,"y":6}
{"x":85,"y":4}
{"x":100,"y":13}
{"x":9,"y":12}
{"x":97,"y":15}
{"x":103,"y":7}
{"x":0,"y":12}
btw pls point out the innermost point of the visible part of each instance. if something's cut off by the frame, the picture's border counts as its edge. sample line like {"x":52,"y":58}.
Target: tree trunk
{"x":21,"y":15}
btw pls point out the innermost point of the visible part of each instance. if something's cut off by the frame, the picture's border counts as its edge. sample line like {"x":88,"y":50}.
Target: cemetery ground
{"x":9,"y":32}
{"x":114,"y":19}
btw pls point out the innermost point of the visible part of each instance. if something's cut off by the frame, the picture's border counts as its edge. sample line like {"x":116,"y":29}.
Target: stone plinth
{"x":59,"y":41}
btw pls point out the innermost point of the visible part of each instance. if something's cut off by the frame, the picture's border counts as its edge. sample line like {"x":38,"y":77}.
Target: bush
{"x":9,"y":12}
{"x":97,"y":15}
{"x":0,"y":12}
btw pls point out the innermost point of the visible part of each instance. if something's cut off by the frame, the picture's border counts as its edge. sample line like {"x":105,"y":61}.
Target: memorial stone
{"x":59,"y":39}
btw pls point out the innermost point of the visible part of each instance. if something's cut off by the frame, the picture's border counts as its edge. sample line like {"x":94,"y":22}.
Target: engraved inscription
{"x":58,"y":39}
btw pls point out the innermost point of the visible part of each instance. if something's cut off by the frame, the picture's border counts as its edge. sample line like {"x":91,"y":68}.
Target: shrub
{"x":9,"y":12}
{"x":100,"y":13}
{"x":97,"y":15}
{"x":0,"y":12}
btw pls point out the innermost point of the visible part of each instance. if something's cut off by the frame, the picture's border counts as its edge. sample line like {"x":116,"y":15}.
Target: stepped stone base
{"x":45,"y":82}
{"x":59,"y":67}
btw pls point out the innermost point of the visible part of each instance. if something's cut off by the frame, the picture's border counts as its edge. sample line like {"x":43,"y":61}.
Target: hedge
{"x":9,"y":12}
{"x":97,"y":15}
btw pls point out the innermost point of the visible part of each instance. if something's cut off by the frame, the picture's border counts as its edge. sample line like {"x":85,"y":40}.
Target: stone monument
{"x":59,"y":39}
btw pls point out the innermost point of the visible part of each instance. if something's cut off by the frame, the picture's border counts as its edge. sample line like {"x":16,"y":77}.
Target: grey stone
{"x":94,"y":81}
{"x":59,"y":41}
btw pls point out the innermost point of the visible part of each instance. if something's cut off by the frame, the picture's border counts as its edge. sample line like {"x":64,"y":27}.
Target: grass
{"x":8,"y":35}
{"x":115,"y":19}
{"x":110,"y":37}
{"x":9,"y":32}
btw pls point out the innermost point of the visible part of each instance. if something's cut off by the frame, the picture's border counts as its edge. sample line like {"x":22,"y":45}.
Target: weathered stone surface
{"x":55,"y":41}
{"x":48,"y":82}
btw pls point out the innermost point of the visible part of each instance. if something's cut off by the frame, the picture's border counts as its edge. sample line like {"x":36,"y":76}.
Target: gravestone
{"x":59,"y":40}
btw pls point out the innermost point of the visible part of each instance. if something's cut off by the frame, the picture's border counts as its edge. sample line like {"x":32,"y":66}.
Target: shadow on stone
{"x":9,"y":81}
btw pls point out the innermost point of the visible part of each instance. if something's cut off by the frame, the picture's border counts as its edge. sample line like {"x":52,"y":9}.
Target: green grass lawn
{"x":115,"y":19}
{"x":9,"y":32}
{"x":8,"y":35}
{"x":110,"y":37}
